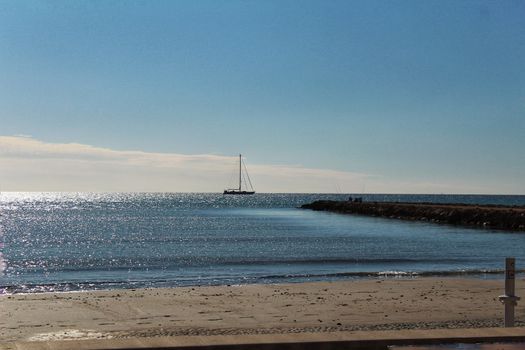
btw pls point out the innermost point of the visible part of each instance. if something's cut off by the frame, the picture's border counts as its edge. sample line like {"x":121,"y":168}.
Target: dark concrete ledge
{"x":487,"y":216}
{"x":379,"y":340}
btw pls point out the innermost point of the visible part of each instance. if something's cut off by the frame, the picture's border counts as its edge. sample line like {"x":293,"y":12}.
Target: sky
{"x":319,"y":96}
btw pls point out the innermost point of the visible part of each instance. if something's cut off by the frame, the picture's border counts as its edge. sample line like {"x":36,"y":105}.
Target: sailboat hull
{"x":238,"y":192}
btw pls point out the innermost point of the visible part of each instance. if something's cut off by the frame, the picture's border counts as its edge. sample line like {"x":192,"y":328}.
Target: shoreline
{"x":483,"y":274}
{"x":499,"y":217}
{"x":372,"y":304}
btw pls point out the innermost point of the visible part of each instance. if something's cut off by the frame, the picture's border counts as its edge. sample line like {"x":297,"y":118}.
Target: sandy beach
{"x":256,"y":309}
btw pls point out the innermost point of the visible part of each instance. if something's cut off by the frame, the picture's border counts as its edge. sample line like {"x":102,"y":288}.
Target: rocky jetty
{"x":488,"y":216}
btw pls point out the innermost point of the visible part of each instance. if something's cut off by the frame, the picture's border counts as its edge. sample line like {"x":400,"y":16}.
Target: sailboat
{"x":240,"y":190}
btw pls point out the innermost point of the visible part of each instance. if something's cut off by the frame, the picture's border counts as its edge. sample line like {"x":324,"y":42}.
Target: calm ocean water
{"x":80,"y":241}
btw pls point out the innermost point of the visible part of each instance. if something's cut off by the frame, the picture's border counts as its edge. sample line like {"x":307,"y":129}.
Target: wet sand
{"x":378,"y":304}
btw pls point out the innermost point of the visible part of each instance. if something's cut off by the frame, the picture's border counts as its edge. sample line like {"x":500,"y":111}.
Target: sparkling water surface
{"x":78,"y":241}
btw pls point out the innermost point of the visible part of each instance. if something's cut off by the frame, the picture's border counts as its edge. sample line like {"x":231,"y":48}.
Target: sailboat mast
{"x":240,"y":162}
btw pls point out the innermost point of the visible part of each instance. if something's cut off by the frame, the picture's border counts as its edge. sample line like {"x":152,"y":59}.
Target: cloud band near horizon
{"x":28,"y":164}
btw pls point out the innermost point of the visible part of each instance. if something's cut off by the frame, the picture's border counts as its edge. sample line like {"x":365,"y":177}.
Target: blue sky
{"x":403,"y":96}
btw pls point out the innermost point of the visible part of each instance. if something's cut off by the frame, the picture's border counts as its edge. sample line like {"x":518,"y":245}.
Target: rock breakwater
{"x":488,"y":216}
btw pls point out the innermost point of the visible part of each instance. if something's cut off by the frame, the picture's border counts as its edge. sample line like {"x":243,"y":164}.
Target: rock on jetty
{"x":488,"y":216}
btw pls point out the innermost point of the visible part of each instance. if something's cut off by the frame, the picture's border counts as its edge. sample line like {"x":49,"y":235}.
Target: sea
{"x":91,"y":241}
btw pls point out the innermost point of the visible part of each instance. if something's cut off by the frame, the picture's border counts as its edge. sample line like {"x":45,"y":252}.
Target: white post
{"x":509,"y":299}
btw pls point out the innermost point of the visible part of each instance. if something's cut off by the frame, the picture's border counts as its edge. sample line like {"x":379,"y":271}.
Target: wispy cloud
{"x":31,"y":164}
{"x":27,"y":147}
{"x":28,"y":164}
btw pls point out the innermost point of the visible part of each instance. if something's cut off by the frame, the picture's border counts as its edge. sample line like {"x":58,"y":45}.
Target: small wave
{"x":150,"y":263}
{"x":394,"y":273}
{"x":249,"y":279}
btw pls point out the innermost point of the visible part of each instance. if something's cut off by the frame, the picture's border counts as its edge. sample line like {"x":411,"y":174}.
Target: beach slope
{"x":379,"y":304}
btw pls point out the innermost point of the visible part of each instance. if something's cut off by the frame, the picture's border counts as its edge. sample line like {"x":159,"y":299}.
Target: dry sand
{"x":256,"y":309}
